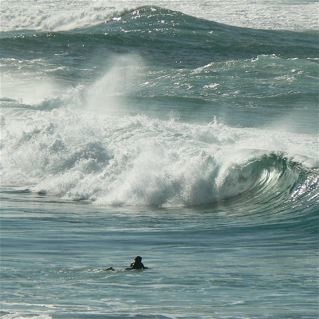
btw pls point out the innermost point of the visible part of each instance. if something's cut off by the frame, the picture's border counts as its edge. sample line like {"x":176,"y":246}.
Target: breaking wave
{"x":136,"y":160}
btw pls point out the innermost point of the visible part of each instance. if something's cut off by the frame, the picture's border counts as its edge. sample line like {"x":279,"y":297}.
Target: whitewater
{"x":183,"y":132}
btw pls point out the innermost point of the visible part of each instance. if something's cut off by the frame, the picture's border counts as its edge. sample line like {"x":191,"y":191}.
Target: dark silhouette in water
{"x":137,"y":265}
{"x":110,"y":268}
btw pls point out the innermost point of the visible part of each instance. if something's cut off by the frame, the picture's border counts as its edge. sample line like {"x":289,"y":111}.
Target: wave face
{"x":155,"y":107}
{"x":69,"y":14}
{"x":166,"y":32}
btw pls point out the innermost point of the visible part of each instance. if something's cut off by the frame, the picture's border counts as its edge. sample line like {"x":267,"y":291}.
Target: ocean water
{"x":183,"y":132}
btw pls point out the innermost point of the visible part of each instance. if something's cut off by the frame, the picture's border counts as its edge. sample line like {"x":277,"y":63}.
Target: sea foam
{"x":137,"y":160}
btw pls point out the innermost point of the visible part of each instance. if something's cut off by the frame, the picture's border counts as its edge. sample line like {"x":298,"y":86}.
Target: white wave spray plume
{"x":108,"y":93}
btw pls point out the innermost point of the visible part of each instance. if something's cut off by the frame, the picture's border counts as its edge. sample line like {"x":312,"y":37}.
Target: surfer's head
{"x":138,"y":259}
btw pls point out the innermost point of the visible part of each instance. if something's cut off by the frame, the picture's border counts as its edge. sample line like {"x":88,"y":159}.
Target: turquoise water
{"x":191,"y":143}
{"x":204,"y":263}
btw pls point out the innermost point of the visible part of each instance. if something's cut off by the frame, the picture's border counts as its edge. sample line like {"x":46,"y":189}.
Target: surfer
{"x":137,"y":264}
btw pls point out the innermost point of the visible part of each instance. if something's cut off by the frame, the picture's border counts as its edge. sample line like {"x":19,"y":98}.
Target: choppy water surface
{"x":166,"y":135}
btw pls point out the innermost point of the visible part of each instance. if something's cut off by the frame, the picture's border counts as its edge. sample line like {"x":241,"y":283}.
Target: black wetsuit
{"x":137,"y":265}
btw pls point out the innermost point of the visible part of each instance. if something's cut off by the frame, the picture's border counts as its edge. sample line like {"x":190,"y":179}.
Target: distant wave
{"x":57,"y":16}
{"x":167,"y":32}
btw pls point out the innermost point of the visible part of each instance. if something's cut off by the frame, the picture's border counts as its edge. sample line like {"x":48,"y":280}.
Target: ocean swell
{"x":169,"y":33}
{"x":43,"y":15}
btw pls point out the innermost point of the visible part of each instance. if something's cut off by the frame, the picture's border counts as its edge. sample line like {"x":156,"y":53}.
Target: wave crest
{"x":135,"y":160}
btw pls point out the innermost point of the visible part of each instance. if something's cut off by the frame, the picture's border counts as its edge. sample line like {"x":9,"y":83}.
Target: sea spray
{"x":136,"y":160}
{"x":118,"y":81}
